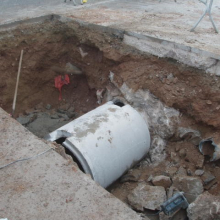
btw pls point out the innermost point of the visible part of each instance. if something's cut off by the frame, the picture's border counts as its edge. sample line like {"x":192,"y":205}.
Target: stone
{"x":207,"y":178}
{"x":23,"y":120}
{"x":171,"y":171}
{"x":71,"y":114}
{"x":182,"y":172}
{"x":64,"y":116}
{"x":131,"y":176}
{"x":29,"y":111}
{"x":48,"y":107}
{"x":150,"y":178}
{"x":189,"y":172}
{"x":39,"y":106}
{"x":182,"y":153}
{"x":191,"y":186}
{"x":206,"y":207}
{"x":164,"y":181}
{"x":147,"y":197}
{"x":54,"y":116}
{"x":199,"y":172}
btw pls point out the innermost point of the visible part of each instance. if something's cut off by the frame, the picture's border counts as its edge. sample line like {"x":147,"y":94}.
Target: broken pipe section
{"x":106,"y":141}
{"x":209,"y":148}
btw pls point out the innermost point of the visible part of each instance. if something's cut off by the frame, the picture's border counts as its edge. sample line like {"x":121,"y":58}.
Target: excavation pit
{"x":161,"y":89}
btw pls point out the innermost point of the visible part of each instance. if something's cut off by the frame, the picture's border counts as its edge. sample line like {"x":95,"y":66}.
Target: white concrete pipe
{"x":106,"y":141}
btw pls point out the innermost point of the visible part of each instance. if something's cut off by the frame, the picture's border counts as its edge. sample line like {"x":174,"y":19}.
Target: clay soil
{"x":50,"y":45}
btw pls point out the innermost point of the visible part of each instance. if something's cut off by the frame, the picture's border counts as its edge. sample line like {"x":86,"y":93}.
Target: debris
{"x":131,"y":176}
{"x":164,"y":181}
{"x":189,"y":172}
{"x":199,"y":172}
{"x":182,"y":153}
{"x":71,"y":69}
{"x":182,"y":172}
{"x":207,"y":177}
{"x":83,"y":54}
{"x":60,"y":81}
{"x":147,"y":197}
{"x":209,"y":148}
{"x":48,"y":107}
{"x":171,"y":171}
{"x":206,"y":207}
{"x":174,"y":204}
{"x":191,"y":186}
{"x":99,"y":94}
{"x":187,"y":134}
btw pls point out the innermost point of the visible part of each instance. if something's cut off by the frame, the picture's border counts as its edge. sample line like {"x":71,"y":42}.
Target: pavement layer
{"x":167,"y":20}
{"x":48,"y":186}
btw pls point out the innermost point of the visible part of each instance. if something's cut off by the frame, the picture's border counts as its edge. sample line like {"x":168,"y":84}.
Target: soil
{"x":192,"y":92}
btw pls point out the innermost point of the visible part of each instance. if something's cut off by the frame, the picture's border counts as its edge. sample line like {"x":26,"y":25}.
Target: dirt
{"x":192,"y":92}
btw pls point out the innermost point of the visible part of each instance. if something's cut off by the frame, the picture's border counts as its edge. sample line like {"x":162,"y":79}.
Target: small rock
{"x":177,"y":148}
{"x":182,"y":153}
{"x":71,"y":114}
{"x":182,"y":172}
{"x":207,"y":178}
{"x":39,"y":106}
{"x":150,"y":178}
{"x":200,"y":161}
{"x":23,"y":120}
{"x":175,"y":80}
{"x":206,"y":207}
{"x":189,"y":172}
{"x":131,"y":176}
{"x":71,"y":109}
{"x":147,"y":197}
{"x":171,"y":171}
{"x":71,"y":69}
{"x":191,"y":186}
{"x":199,"y":172}
{"x":64,"y":107}
{"x":54,"y":116}
{"x":208,"y":102}
{"x":162,"y":181}
{"x":48,"y":107}
{"x":29,"y":111}
{"x":63,"y":116}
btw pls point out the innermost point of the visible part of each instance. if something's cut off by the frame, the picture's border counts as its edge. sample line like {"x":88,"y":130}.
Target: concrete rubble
{"x":147,"y":197}
{"x":206,"y":206}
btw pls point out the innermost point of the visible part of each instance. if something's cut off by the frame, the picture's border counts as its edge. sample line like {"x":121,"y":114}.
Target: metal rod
{"x":16,"y":88}
{"x":208,"y":11}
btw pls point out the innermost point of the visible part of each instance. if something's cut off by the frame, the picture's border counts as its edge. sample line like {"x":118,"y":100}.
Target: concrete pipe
{"x":106,"y":141}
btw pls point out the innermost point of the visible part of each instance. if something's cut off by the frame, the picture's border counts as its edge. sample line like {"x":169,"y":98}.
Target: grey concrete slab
{"x":48,"y":187}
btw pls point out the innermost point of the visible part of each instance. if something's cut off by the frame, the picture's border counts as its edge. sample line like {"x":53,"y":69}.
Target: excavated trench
{"x":170,"y":96}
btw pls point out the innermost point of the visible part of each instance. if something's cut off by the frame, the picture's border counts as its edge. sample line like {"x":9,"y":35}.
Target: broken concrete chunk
{"x":171,"y":171}
{"x":132,"y":175}
{"x":71,"y":69}
{"x":191,"y":186}
{"x":207,"y":178}
{"x":164,"y":181}
{"x":199,"y":172}
{"x":157,"y":150}
{"x":182,"y":153}
{"x":23,"y":120}
{"x":206,"y":207}
{"x":187,"y":134}
{"x":48,"y":106}
{"x":182,"y":172}
{"x":147,"y":197}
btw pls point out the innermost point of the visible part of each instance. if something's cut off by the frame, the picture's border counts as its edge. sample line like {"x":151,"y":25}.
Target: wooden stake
{"x":16,"y":88}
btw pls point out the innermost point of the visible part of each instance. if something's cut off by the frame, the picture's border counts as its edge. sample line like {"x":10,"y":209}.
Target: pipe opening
{"x":119,"y":103}
{"x":68,"y":152}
